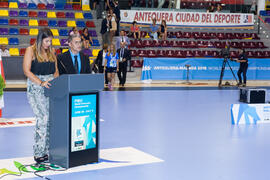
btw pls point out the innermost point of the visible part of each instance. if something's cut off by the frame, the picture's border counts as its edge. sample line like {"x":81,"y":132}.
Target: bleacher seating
{"x":13,"y":31}
{"x":14,"y":51}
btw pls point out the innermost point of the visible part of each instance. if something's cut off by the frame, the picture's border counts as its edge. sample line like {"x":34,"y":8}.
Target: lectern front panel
{"x":84,"y":122}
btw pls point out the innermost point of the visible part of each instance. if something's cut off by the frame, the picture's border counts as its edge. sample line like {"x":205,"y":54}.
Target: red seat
{"x":13,"y":22}
{"x":133,"y":53}
{"x":32,"y":14}
{"x":147,"y":43}
{"x":197,"y":53}
{"x":192,"y":44}
{"x":43,"y":23}
{"x":22,"y":51}
{"x":161,"y":53}
{"x":32,"y":41}
{"x":77,"y":7}
{"x":261,"y":45}
{"x":132,"y":43}
{"x":183,"y":44}
{"x":216,"y":54}
{"x":151,"y":53}
{"x":90,"y":24}
{"x":175,"y":44}
{"x":138,"y":44}
{"x":60,"y":15}
{"x":234,"y":54}
{"x":142,"y":53}
{"x":165,"y":43}
{"x":170,"y":53}
{"x":179,"y":54}
{"x":250,"y":54}
{"x":24,"y":32}
{"x":196,"y":35}
{"x":205,"y":35}
{"x":189,"y":53}
{"x":136,"y":63}
{"x":41,"y":6}
{"x":266,"y":54}
{"x":212,"y":35}
{"x":246,"y":35}
{"x":234,"y":44}
{"x":238,"y":36}
{"x":221,"y":36}
{"x":58,"y":51}
{"x":3,"y":4}
{"x":254,"y":36}
{"x":179,"y":34}
{"x":187,"y":35}
{"x":207,"y":53}
{"x":258,"y":54}
{"x":156,"y":44}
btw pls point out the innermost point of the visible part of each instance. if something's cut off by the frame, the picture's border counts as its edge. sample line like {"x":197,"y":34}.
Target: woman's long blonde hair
{"x":37,"y":48}
{"x":114,"y":50}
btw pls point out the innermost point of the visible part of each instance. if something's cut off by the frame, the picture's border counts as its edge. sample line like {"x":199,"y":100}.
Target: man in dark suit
{"x":101,"y":60}
{"x":106,"y":25}
{"x":73,"y":61}
{"x":124,"y":56}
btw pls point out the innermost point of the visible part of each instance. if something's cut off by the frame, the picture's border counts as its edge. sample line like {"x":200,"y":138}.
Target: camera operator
{"x":243,"y":60}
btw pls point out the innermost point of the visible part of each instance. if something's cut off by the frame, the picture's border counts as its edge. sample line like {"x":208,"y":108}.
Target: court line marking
{"x":109,"y":158}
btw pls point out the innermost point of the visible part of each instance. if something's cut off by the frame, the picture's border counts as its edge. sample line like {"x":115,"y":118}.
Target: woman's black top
{"x":42,"y":68}
{"x":86,"y":37}
{"x":162,"y":28}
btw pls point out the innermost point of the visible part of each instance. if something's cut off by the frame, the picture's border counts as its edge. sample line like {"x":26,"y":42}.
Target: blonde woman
{"x":40,"y":67}
{"x":111,"y":65}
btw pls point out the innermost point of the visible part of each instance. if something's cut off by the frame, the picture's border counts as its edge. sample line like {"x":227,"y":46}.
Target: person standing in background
{"x":100,"y":61}
{"x":243,"y":60}
{"x":116,"y":11}
{"x":40,"y":67}
{"x":122,"y":39}
{"x":124,"y":57}
{"x":105,"y":29}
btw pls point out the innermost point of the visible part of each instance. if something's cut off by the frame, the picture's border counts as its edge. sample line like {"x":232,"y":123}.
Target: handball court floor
{"x":188,"y":129}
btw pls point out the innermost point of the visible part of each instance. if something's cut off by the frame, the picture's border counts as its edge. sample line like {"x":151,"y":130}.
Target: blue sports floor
{"x":189,"y":129}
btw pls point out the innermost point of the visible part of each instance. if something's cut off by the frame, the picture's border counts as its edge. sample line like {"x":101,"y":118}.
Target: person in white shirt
{"x":4,"y":51}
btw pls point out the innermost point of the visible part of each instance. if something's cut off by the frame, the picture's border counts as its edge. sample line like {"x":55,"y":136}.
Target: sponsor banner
{"x":188,"y":19}
{"x":200,"y":69}
{"x":250,"y":113}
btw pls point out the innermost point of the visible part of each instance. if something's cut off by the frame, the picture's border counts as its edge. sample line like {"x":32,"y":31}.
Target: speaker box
{"x":252,"y":95}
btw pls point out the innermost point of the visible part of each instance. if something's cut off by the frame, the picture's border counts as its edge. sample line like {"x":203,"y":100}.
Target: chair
{"x":80,"y":24}
{"x":13,"y":13}
{"x":68,"y":7}
{"x":22,"y":6}
{"x":51,"y":14}
{"x":136,"y":63}
{"x":24,"y":32}
{"x":87,"y":52}
{"x":55,"y":42}
{"x":58,"y":51}
{"x":13,"y":31}
{"x":70,"y":15}
{"x":142,"y":53}
{"x":207,"y":53}
{"x":22,"y":51}
{"x":79,"y":15}
{"x":64,"y":42}
{"x":187,"y":35}
{"x":3,"y":41}
{"x":3,"y":21}
{"x":71,"y":24}
{"x":261,"y":45}
{"x":52,"y":23}
{"x":95,"y":52}
{"x":253,"y":35}
{"x":133,"y":53}
{"x":93,"y":33}
{"x":88,"y":16}
{"x":90,"y":24}
{"x":179,"y":54}
{"x":95,"y":42}
{"x":13,"y":22}
{"x":151,"y":53}
{"x":183,"y":44}
{"x":250,"y":54}
{"x":138,"y":43}
{"x":3,"y":4}
{"x":238,"y":36}
{"x":221,"y":36}
{"x":13,"y":41}
{"x":32,"y":41}
{"x":165,"y":43}
{"x":55,"y":32}
{"x":189,"y":53}
{"x":85,"y":7}
{"x":174,"y":44}
{"x":147,"y":43}
{"x":33,"y":22}
{"x":64,"y":50}
{"x":4,"y":13}
{"x":32,"y":14}
{"x":32,"y":6}
{"x":14,"y":51}
{"x":43,"y":22}
{"x":23,"y":14}
{"x":50,"y":6}
{"x":156,"y":44}
{"x":42,"y":14}
{"x":13,"y":5}
{"x":3,"y":31}
{"x":62,"y":24}
{"x":197,"y":53}
{"x":60,"y":15}
{"x":63,"y":32}
{"x":196,"y":35}
{"x":33,"y":32}
{"x":41,"y":6}
{"x":77,"y":7}
{"x":216,"y":54}
{"x":192,"y":44}
{"x":170,"y":53}
{"x":161,"y":53}
{"x":258,"y":54}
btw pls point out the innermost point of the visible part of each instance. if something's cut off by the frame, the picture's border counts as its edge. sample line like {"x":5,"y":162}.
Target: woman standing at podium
{"x":40,"y":67}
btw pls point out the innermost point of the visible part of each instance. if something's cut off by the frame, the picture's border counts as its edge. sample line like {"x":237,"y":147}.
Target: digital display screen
{"x":83,"y":122}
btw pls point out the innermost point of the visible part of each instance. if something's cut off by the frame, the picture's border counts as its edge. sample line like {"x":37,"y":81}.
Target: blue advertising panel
{"x":200,"y":69}
{"x":83,"y":122}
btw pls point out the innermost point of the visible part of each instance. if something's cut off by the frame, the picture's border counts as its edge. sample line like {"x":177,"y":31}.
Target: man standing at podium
{"x":73,"y":61}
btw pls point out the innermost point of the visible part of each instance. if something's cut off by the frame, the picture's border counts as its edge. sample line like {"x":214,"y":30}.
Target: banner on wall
{"x":200,"y":69}
{"x":188,"y":19}
{"x":250,"y":113}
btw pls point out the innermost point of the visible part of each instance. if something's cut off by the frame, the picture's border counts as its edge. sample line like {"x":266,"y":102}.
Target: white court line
{"x":109,"y":158}
{"x":17,"y":120}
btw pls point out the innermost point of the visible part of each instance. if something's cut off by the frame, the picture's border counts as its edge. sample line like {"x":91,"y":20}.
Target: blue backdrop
{"x":201,"y":69}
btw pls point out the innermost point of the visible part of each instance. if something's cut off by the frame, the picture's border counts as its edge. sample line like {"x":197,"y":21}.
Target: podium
{"x":74,"y":119}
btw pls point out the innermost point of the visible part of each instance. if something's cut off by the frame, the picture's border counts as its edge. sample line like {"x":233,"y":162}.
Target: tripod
{"x":225,"y":61}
